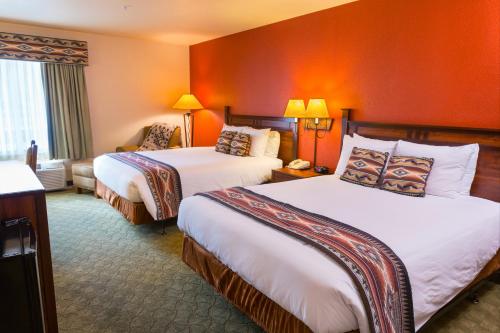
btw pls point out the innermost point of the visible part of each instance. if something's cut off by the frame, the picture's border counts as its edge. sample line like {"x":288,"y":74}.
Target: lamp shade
{"x":188,"y":102}
{"x":316,"y":108}
{"x":295,"y":109}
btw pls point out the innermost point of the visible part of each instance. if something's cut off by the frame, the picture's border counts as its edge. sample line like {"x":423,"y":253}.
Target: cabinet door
{"x":33,"y":206}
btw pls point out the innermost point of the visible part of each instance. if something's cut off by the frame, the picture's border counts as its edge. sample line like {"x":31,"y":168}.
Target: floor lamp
{"x":188,"y":102}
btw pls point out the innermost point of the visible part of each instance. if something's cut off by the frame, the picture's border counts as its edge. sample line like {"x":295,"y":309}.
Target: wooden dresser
{"x":22,"y":195}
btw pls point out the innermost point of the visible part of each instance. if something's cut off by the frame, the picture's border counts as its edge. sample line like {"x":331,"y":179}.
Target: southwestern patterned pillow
{"x":158,"y":137}
{"x":224,"y":141}
{"x":364,"y":167}
{"x":407,"y":175}
{"x":240,"y":146}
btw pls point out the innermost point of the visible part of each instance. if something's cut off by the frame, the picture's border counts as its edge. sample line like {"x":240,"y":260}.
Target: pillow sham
{"x":240,"y":145}
{"x":374,"y":141}
{"x":350,"y":142}
{"x":158,"y":137}
{"x":259,"y":139}
{"x":470,"y":170}
{"x":231,"y":128}
{"x":224,"y":142}
{"x":407,"y":175}
{"x":273,"y":144}
{"x":364,"y":167}
{"x":448,"y":170}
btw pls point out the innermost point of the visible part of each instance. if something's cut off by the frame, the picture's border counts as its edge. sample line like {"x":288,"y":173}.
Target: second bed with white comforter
{"x":200,"y":169}
{"x":443,"y":243}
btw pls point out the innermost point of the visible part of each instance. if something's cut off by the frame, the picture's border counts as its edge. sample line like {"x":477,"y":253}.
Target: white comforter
{"x":443,"y":242}
{"x":201,"y":169}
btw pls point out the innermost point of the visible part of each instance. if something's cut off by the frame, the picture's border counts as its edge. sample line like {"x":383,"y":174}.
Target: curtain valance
{"x":43,"y":49}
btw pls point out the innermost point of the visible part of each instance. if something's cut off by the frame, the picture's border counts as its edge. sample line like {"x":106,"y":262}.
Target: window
{"x":23,"y":115}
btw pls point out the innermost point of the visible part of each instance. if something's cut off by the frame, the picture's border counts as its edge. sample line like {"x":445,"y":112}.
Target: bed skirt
{"x":257,"y":306}
{"x":134,"y":212}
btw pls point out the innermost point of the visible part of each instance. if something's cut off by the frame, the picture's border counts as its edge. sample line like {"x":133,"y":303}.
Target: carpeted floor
{"x":111,"y":276}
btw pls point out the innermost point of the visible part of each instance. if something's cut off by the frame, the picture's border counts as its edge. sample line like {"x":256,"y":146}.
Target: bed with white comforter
{"x":200,"y":169}
{"x":443,"y":243}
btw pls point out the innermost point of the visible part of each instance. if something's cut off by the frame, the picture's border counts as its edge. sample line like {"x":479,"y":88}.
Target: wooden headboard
{"x":285,"y":126}
{"x":487,"y":180}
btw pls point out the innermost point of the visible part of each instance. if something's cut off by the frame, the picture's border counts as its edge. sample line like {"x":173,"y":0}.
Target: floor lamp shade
{"x":188,"y":102}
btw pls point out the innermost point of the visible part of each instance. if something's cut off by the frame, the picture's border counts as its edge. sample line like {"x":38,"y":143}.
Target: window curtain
{"x":69,"y":133}
{"x":22,"y":109}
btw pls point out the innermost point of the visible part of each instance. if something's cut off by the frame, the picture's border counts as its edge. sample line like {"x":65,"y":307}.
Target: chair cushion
{"x":84,"y":182}
{"x":85,"y":169}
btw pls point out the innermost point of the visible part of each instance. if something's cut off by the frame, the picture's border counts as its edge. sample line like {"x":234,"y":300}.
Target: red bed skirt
{"x":134,"y":212}
{"x":257,"y":306}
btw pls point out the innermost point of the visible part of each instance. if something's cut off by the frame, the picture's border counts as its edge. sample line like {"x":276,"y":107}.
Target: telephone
{"x":299,"y":164}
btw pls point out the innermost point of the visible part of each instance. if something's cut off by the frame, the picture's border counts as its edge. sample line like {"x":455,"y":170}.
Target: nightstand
{"x":286,"y":174}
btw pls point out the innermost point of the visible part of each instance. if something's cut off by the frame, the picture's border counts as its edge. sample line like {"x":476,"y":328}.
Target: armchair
{"x":174,"y":142}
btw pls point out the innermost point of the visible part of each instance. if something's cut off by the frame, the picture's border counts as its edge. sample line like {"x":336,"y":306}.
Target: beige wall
{"x":130,"y":82}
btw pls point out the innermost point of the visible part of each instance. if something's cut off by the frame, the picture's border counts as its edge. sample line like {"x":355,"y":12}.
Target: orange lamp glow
{"x":188,"y":102}
{"x":316,"y":108}
{"x":295,"y":109}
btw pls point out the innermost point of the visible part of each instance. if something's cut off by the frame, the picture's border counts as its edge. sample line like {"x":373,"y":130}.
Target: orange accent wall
{"x":425,"y":62}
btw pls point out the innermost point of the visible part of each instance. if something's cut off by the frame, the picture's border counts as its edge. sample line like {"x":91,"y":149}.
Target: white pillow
{"x":233,"y":128}
{"x":358,"y":141}
{"x":374,"y":141}
{"x":448,"y":169}
{"x":470,"y":170}
{"x":259,"y":140}
{"x":259,"y":137}
{"x":273,"y":144}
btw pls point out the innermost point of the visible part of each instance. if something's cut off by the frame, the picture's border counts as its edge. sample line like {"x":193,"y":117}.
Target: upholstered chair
{"x":31,"y":155}
{"x":174,"y":142}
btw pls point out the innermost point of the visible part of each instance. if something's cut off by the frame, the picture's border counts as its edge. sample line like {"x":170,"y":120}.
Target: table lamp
{"x":188,"y":102}
{"x":295,"y":109}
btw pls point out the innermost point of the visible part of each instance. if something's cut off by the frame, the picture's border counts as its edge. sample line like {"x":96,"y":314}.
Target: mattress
{"x":443,"y":243}
{"x":200,"y":169}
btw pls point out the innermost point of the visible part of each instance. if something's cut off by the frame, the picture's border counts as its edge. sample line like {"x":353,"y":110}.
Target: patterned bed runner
{"x":163,"y":181}
{"x":379,"y":274}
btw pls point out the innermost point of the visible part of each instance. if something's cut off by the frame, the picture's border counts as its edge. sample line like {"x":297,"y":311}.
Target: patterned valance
{"x":43,"y":49}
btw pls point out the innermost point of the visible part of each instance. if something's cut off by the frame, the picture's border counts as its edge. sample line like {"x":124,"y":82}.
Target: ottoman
{"x":83,"y":176}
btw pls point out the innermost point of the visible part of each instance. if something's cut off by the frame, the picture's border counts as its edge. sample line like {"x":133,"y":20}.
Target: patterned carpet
{"x":111,"y":276}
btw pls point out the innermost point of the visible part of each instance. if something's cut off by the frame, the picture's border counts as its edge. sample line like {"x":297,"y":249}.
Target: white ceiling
{"x":175,"y":21}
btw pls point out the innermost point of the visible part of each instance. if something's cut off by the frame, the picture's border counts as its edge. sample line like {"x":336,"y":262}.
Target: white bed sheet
{"x":200,"y":169}
{"x":443,"y":243}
